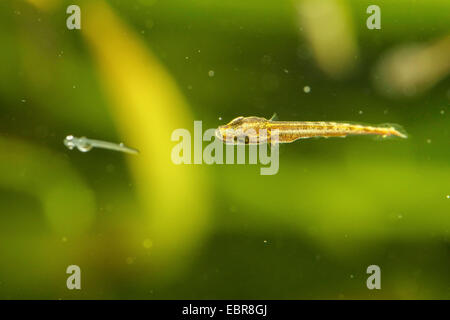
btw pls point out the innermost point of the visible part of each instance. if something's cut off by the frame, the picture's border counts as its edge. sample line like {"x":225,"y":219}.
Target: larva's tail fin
{"x":395,"y":130}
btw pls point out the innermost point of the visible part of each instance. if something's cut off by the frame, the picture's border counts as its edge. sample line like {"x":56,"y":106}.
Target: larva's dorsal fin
{"x":274,"y":117}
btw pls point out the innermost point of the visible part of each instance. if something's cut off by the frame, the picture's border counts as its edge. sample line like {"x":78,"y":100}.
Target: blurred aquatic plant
{"x":411,"y":69}
{"x":147,"y":107}
{"x":46,"y":5}
{"x":365,"y":201}
{"x":333,"y":206}
{"x":328,"y":27}
{"x":67,"y":202}
{"x":44,"y":55}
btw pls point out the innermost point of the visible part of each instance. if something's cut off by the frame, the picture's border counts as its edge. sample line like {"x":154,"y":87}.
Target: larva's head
{"x":81,"y":144}
{"x":228,"y":133}
{"x":244,"y":129}
{"x":70,"y":142}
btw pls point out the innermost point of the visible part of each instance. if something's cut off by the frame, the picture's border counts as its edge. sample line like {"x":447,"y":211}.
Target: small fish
{"x":84,"y":145}
{"x":256,"y":130}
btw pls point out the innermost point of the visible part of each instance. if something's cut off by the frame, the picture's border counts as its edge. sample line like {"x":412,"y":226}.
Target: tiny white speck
{"x":220,"y":118}
{"x":306,"y":89}
{"x":428,"y":140}
{"x":442,"y":111}
{"x":187,"y":58}
{"x":448,"y":196}
{"x":286,"y":71}
{"x":265,"y":241}
{"x":211,"y":73}
{"x":23,"y":100}
{"x":360,"y":112}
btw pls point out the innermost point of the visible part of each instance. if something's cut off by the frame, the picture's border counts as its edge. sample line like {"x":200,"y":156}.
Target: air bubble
{"x":147,"y":243}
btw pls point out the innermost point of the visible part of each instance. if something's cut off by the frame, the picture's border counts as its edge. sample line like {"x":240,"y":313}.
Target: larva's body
{"x":255,"y":130}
